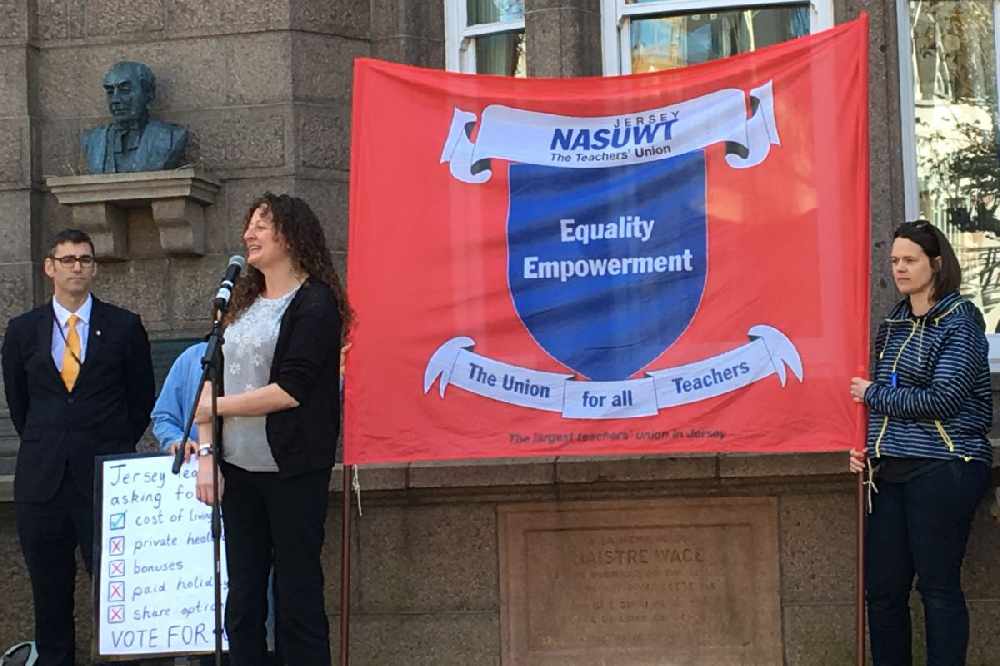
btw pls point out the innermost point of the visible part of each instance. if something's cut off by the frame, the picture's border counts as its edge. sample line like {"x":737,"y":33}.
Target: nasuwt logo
{"x":608,"y":253}
{"x":641,"y":136}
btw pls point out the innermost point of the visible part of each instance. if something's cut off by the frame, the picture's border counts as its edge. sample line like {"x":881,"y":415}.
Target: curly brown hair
{"x":297,"y":224}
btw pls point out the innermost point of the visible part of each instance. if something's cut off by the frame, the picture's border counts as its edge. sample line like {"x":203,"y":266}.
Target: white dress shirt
{"x":60,"y":328}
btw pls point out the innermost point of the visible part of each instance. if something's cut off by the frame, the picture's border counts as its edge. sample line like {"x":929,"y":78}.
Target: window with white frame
{"x":949,"y":110}
{"x":485,"y":36}
{"x":649,"y":35}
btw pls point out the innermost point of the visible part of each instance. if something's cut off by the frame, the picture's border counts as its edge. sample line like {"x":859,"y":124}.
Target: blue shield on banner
{"x":606,"y":266}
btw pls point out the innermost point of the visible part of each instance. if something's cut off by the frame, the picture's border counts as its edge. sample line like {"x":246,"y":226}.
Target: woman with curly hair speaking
{"x":281,"y":415}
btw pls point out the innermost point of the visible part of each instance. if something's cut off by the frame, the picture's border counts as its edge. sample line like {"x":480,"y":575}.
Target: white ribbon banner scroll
{"x":531,"y":137}
{"x":767,"y":353}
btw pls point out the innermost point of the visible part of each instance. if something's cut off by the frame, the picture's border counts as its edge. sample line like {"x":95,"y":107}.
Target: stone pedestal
{"x":101,"y":202}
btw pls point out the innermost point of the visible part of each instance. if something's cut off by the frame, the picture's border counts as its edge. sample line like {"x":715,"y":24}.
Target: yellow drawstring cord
{"x":885,"y":422}
{"x":870,"y":483}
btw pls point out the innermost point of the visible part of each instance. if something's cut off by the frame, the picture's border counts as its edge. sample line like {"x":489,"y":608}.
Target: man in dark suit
{"x":79,"y":382}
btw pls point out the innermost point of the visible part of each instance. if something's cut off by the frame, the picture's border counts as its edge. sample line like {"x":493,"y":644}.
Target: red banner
{"x":658,"y":263}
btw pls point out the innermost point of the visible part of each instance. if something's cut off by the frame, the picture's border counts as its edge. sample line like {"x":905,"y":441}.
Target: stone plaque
{"x":638,"y":583}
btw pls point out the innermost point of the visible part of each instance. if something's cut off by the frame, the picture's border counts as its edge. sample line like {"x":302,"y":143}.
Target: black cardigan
{"x":306,"y":365}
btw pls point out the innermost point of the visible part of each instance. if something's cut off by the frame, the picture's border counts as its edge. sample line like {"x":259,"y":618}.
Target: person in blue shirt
{"x":177,"y":397}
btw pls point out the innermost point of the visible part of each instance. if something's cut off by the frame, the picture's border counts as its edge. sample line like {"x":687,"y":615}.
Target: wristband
{"x":204,"y":450}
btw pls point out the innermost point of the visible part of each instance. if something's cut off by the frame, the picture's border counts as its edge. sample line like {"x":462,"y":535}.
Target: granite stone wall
{"x":265,"y":87}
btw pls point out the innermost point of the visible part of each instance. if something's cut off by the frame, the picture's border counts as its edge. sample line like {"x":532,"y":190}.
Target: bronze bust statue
{"x":133,"y":141}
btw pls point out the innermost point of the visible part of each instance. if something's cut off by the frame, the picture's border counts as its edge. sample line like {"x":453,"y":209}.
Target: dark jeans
{"x":269,"y":518}
{"x":49,"y":533}
{"x":921,"y":527}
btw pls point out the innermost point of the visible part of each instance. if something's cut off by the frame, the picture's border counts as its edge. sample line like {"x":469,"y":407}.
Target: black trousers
{"x":268,"y":518}
{"x":50,"y":533}
{"x":920,"y":528}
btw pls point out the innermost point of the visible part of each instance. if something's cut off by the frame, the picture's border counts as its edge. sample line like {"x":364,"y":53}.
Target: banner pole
{"x":859,"y":602}
{"x":345,"y":567}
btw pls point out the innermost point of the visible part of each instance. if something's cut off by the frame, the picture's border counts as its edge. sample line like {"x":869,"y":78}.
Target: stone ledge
{"x":378,"y":477}
{"x":577,"y":471}
{"x":177,"y":198}
{"x":636,"y":468}
{"x":493,"y":472}
{"x":139,"y":186}
{"x":781,"y":464}
{"x":584,"y":470}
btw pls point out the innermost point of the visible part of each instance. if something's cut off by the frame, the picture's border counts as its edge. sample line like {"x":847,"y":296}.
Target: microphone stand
{"x":211,"y":368}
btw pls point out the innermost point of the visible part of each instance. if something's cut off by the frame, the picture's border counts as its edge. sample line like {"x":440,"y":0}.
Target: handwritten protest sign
{"x":154,"y":572}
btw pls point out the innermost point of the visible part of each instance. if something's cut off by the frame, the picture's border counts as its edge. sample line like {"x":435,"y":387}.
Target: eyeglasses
{"x":68,"y":260}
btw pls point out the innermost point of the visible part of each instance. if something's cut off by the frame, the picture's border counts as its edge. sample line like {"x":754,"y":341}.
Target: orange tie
{"x":71,"y":354}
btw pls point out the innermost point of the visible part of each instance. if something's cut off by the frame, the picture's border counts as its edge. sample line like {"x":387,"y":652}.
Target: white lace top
{"x":249,"y":350}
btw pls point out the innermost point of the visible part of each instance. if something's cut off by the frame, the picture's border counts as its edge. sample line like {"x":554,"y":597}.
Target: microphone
{"x":236,"y":264}
{"x":179,"y":457}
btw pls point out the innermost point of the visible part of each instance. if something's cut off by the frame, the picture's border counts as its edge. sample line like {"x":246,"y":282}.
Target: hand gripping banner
{"x":668,"y":262}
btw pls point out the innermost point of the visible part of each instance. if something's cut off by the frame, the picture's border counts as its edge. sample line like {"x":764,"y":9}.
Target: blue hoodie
{"x":931,"y":396}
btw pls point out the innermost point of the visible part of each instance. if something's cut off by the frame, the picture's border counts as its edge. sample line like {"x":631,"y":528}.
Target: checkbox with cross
{"x":116,"y":545}
{"x":116,"y":614}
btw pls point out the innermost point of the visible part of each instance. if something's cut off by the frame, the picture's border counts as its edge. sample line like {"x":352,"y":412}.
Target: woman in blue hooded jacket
{"x":929,"y":409}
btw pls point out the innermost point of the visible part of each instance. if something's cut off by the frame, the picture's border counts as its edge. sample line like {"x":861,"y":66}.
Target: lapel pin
{"x":97,"y":332}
